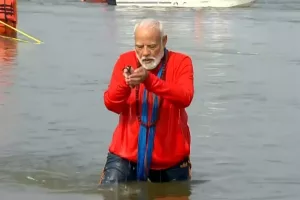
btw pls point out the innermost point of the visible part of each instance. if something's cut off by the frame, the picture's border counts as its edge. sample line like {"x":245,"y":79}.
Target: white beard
{"x":154,"y":63}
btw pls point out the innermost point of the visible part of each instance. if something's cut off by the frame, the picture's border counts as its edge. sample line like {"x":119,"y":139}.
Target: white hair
{"x":151,"y":23}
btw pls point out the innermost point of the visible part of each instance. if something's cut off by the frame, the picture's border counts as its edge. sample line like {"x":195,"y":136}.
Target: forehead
{"x":147,"y":35}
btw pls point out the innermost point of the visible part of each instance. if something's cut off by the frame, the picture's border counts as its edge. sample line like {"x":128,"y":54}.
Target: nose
{"x":146,"y":52}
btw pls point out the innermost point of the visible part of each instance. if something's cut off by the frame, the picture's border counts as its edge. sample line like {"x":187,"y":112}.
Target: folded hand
{"x":137,"y":77}
{"x":126,"y":73}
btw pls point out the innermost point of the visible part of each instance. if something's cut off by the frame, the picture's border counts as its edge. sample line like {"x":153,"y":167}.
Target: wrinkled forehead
{"x":147,"y":34}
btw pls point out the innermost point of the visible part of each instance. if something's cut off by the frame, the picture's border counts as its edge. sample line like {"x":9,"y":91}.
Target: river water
{"x":55,"y":130}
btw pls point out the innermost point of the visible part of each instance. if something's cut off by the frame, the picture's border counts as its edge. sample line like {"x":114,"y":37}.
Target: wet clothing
{"x":175,"y":91}
{"x":118,"y":170}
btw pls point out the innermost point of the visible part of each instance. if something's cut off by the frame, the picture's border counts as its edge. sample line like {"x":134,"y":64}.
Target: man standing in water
{"x":149,"y":90}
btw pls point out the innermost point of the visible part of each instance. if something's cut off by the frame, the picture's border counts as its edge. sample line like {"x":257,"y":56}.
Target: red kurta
{"x":172,"y":136}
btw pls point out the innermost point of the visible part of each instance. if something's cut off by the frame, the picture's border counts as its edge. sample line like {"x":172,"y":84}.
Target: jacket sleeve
{"x":181,"y":92}
{"x":118,"y":91}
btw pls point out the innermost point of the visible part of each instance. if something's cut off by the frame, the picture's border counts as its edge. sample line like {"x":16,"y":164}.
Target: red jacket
{"x":172,"y":136}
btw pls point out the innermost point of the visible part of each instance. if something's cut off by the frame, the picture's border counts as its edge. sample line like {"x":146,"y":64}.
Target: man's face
{"x":149,"y":46}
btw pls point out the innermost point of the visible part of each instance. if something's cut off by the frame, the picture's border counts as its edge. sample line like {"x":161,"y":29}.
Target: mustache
{"x":147,"y":58}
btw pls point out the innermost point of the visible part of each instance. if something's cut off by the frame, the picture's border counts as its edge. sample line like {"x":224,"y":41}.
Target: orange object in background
{"x":8,"y":15}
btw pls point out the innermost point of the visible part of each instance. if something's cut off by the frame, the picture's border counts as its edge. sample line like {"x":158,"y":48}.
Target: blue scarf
{"x":145,"y":146}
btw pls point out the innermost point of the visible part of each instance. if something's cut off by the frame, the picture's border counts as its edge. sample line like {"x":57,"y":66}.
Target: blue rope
{"x":143,"y":143}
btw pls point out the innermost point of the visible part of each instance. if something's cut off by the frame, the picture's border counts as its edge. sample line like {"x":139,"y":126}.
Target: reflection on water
{"x":149,"y":191}
{"x":8,"y":52}
{"x":198,"y":27}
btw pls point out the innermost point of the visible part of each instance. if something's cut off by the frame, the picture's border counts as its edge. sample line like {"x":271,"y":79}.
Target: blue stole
{"x":146,"y":133}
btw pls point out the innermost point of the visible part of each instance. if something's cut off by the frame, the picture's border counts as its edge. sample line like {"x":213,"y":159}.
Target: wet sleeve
{"x":118,"y":91}
{"x":181,"y":92}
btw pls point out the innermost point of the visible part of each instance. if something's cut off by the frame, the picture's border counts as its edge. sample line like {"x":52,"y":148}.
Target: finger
{"x":131,"y":85}
{"x":131,"y":71}
{"x":127,"y":71}
{"x":133,"y":81}
{"x":127,"y":80}
{"x":140,"y":69}
{"x":135,"y":75}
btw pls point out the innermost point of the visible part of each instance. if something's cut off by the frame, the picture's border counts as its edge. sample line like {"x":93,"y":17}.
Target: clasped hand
{"x":135,"y":77}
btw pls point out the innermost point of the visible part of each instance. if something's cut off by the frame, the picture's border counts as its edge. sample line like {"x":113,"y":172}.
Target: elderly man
{"x":149,"y":90}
